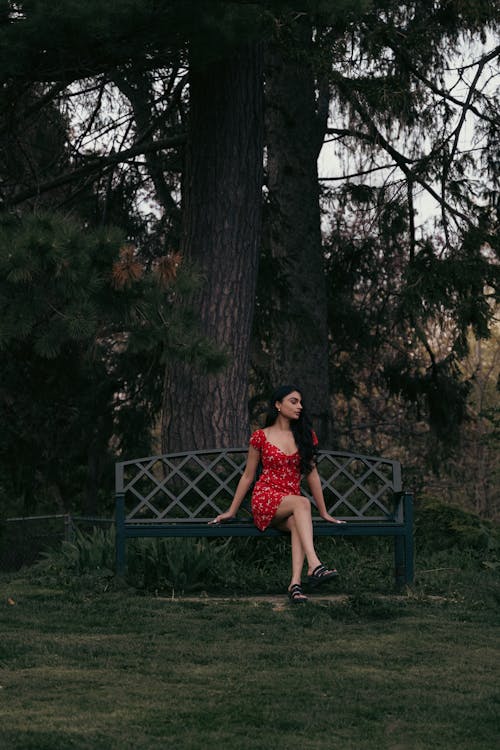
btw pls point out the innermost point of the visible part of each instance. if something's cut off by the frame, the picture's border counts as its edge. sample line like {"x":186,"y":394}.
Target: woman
{"x":287,"y":449}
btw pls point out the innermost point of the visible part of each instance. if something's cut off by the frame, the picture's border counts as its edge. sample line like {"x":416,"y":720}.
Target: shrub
{"x":179,"y":565}
{"x":88,"y":558}
{"x":448,"y":538}
{"x":440,"y":526}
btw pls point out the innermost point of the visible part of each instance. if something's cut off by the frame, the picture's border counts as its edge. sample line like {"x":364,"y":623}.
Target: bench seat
{"x":175,"y":495}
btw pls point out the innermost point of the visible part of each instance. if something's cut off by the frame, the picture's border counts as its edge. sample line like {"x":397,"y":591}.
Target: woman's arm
{"x":244,"y":485}
{"x":314,"y":483}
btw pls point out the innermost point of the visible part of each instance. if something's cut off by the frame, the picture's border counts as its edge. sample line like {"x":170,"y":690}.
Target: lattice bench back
{"x":197,"y":485}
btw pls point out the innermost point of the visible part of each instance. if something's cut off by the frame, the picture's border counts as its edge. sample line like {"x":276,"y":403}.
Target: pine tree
{"x":83,"y":325}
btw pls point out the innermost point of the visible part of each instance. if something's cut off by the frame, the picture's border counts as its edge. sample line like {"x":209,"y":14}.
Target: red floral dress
{"x":280,"y":477}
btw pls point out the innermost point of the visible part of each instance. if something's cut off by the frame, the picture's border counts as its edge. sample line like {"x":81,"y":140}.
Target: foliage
{"x":48,"y":39}
{"x":89,"y":557}
{"x":85,"y":327}
{"x":440,"y":526}
{"x":408,"y":315}
{"x":406,"y":293}
{"x":178,"y":565}
{"x":405,"y":358}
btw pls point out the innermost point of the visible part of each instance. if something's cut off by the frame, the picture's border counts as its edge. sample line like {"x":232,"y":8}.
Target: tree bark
{"x":294,"y":135}
{"x":222,"y":234}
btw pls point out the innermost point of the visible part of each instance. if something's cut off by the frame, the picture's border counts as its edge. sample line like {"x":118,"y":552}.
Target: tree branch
{"x":96,"y":166}
{"x":447,"y":162}
{"x":375,"y":136}
{"x":49,"y":96}
{"x":138,"y":92}
{"x":322,"y":110}
{"x":441,"y":92}
{"x":357,"y":174}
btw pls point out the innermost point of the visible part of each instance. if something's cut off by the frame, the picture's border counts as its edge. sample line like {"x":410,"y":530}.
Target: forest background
{"x":168,"y":251}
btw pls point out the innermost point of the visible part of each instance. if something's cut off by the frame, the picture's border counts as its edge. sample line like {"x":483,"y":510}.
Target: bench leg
{"x":403,"y":560}
{"x":409,"y":560}
{"x":120,"y":536}
{"x":399,"y":561}
{"x":408,"y":538}
{"x":403,"y":547}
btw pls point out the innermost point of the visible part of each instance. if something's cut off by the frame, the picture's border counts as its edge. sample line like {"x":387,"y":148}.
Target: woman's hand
{"x":331,"y":519}
{"x":222,"y":517}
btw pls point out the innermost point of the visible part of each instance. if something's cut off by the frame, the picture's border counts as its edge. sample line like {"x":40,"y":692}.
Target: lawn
{"x":118,"y":669}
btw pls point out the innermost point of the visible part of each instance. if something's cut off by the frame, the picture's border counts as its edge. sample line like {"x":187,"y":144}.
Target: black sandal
{"x":296,"y":595}
{"x":320,"y":575}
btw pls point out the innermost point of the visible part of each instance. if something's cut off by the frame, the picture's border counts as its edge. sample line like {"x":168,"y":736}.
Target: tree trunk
{"x":294,"y":135}
{"x":222,"y":233}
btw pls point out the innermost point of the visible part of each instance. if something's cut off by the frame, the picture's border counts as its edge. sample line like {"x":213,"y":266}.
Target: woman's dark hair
{"x":301,"y":428}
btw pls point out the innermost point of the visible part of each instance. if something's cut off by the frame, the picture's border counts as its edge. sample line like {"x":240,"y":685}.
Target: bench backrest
{"x":195,"y":486}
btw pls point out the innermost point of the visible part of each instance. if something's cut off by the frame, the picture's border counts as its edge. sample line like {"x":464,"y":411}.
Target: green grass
{"x":115,"y":669}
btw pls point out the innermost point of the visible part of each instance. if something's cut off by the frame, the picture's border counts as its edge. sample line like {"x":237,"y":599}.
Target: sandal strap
{"x":319,"y":571}
{"x":295,"y":592}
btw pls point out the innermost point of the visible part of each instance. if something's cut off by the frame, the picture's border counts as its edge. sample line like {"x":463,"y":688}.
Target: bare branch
{"x":93,"y":116}
{"x":322,"y":110}
{"x":138,"y":92}
{"x":411,"y":216}
{"x":357,"y":174}
{"x":97,"y":166}
{"x":375,"y":136}
{"x":445,"y":94}
{"x":49,"y":96}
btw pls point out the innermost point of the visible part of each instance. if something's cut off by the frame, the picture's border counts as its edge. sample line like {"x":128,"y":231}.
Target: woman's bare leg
{"x":298,"y":554}
{"x":299,"y":508}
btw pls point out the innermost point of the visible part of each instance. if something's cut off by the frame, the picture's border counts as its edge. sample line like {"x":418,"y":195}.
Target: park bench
{"x":175,"y":495}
